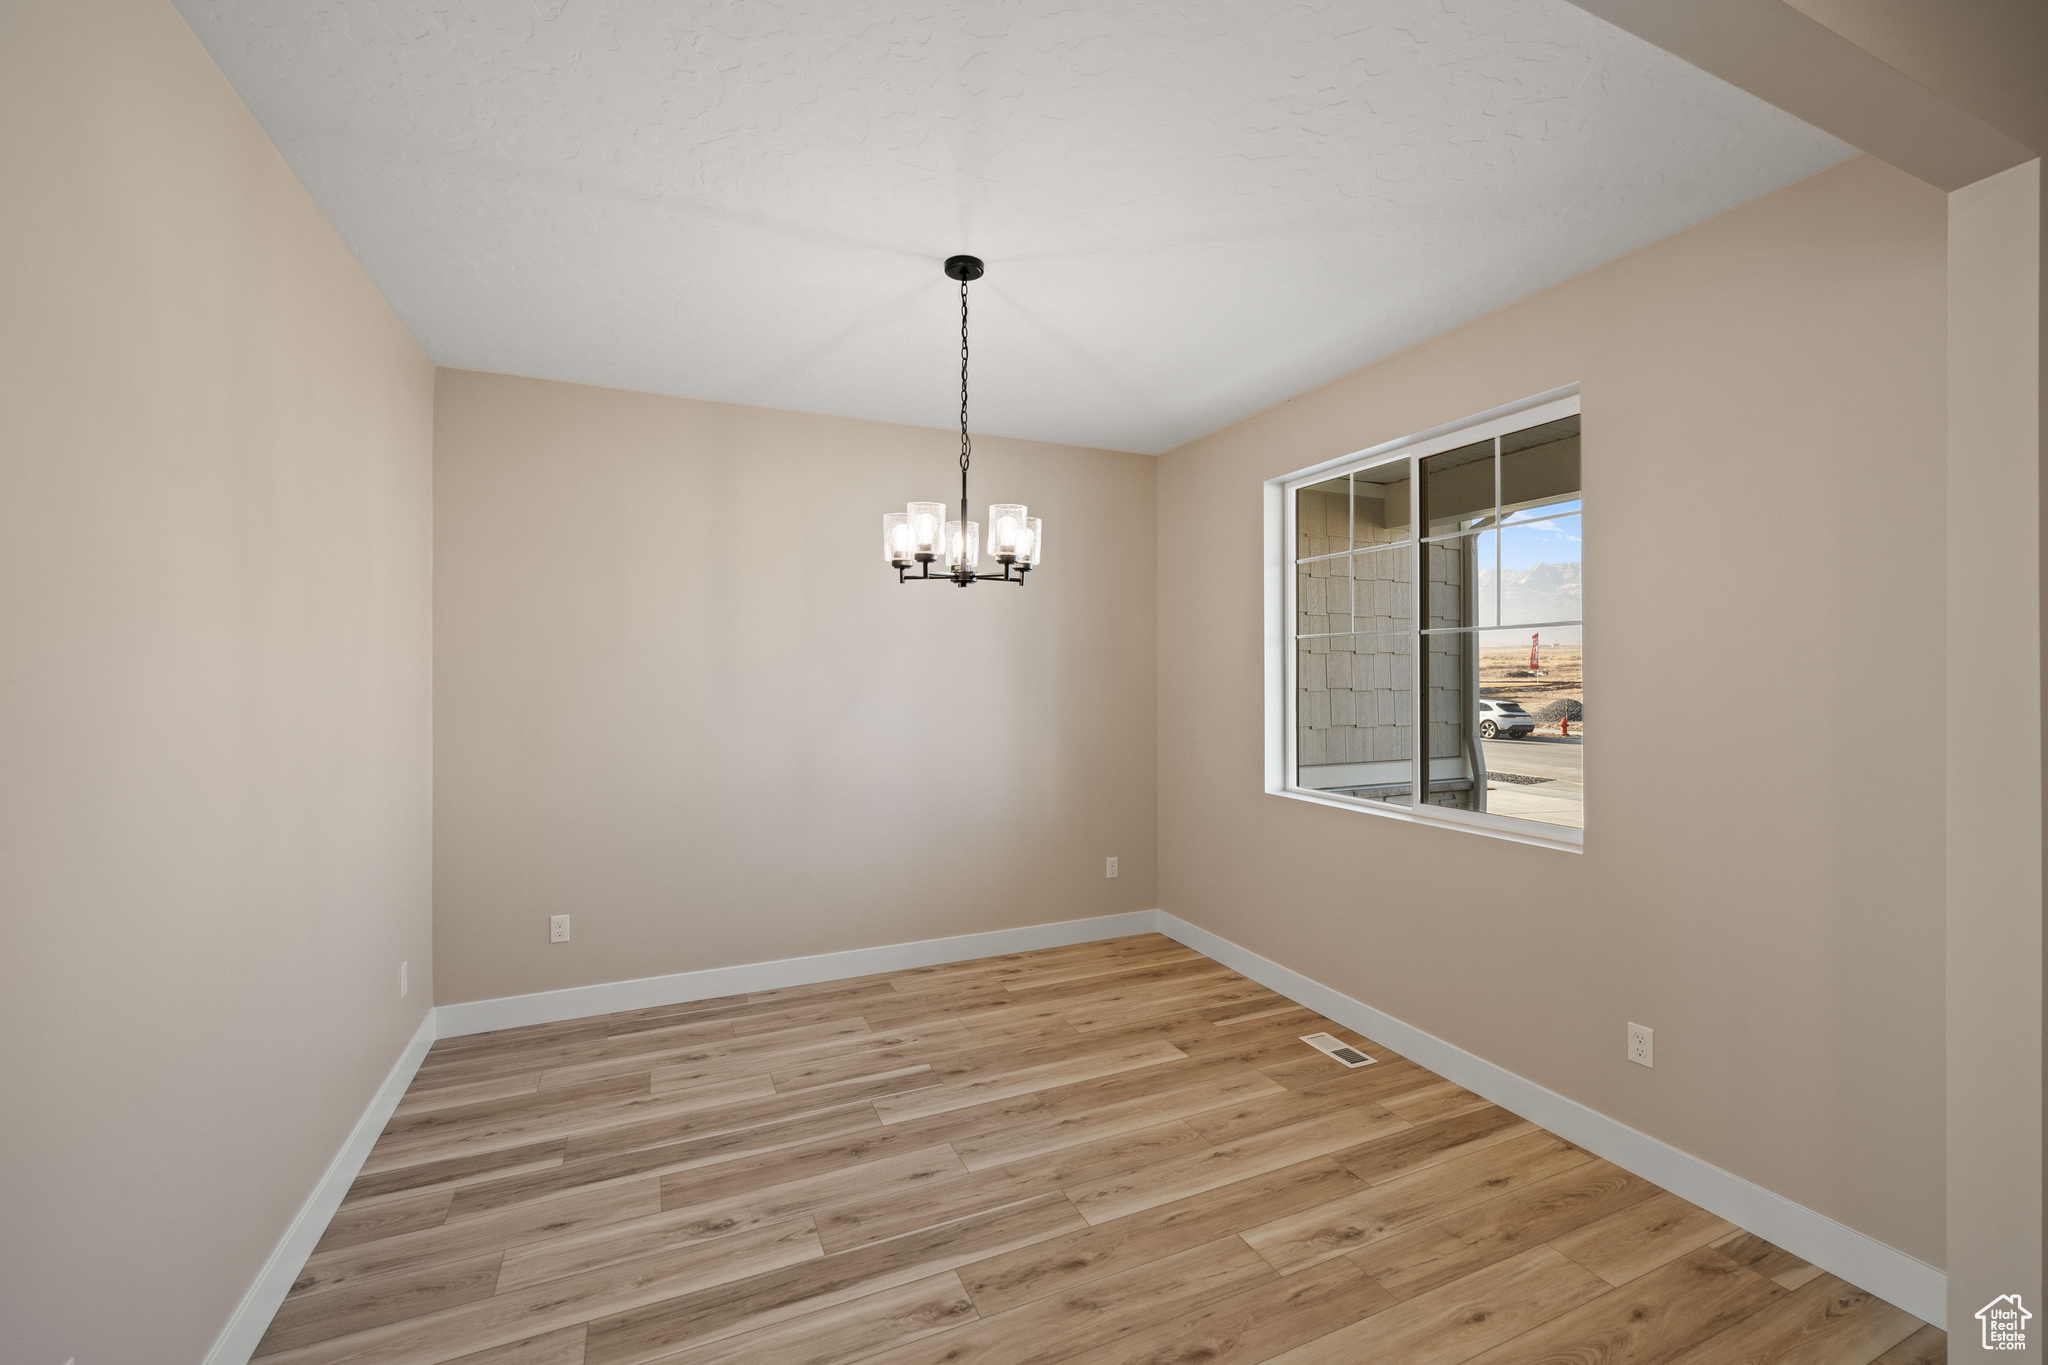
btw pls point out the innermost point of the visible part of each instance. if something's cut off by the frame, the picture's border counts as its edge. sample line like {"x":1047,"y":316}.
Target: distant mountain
{"x":1545,"y":592}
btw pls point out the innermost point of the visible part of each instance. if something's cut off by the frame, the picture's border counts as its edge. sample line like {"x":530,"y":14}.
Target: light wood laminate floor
{"x":1112,"y":1153}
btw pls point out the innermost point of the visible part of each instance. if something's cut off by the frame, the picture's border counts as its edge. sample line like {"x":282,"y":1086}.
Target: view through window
{"x":1459,"y":650}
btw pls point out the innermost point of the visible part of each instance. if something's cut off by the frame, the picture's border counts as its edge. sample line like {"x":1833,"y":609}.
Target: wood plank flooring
{"x":1117,"y":1153}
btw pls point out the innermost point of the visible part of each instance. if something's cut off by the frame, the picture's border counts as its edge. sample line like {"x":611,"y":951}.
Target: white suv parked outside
{"x":1497,"y":718}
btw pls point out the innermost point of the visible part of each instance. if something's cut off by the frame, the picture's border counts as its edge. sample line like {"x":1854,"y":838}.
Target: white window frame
{"x":1279,"y":614}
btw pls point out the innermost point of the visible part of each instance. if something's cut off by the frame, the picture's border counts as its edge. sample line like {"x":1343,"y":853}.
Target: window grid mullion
{"x":1498,"y":597}
{"x":1418,"y":672}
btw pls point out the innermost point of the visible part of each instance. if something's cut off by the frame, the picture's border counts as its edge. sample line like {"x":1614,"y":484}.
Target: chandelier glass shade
{"x":924,"y":534}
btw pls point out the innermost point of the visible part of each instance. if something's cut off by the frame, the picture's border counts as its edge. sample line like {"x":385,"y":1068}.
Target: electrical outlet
{"x":1639,"y":1045}
{"x":558,"y":928}
{"x":1109,"y":870}
{"x":404,"y":984}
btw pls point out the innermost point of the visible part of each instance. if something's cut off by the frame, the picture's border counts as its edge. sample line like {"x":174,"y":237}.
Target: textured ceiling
{"x":1190,"y":210}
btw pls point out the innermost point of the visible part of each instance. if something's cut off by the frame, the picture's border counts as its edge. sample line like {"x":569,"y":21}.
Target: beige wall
{"x":1954,"y":94}
{"x":681,"y":698}
{"x":1762,"y":880}
{"x":214,"y":693}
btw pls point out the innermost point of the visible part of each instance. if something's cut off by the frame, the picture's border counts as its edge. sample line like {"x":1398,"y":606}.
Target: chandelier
{"x":920,"y":536}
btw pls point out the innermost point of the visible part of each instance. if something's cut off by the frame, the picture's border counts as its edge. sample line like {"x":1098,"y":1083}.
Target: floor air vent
{"x":1338,"y":1048}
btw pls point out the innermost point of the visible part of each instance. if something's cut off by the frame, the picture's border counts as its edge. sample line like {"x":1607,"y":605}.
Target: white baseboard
{"x":251,"y":1318}
{"x":1891,"y":1274}
{"x":579,"y":1002}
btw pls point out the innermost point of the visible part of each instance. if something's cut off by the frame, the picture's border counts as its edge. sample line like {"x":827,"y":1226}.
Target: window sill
{"x":1564,"y":840}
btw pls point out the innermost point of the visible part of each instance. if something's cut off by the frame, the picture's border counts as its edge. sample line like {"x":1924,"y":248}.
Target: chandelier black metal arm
{"x":921,"y":537}
{"x":925,"y":574}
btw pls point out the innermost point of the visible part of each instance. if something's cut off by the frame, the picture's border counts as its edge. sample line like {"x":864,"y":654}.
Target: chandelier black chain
{"x":966,"y":442}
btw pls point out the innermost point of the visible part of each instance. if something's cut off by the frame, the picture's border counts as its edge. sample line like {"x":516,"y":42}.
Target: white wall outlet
{"x":404,"y":983}
{"x":558,"y":928}
{"x":1640,"y":1040}
{"x":1109,"y":868}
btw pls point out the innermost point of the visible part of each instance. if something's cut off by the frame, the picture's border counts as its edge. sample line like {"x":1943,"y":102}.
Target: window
{"x":1430,"y":620}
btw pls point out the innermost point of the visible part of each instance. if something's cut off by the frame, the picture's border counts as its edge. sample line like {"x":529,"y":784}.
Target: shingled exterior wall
{"x":1355,"y":700}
